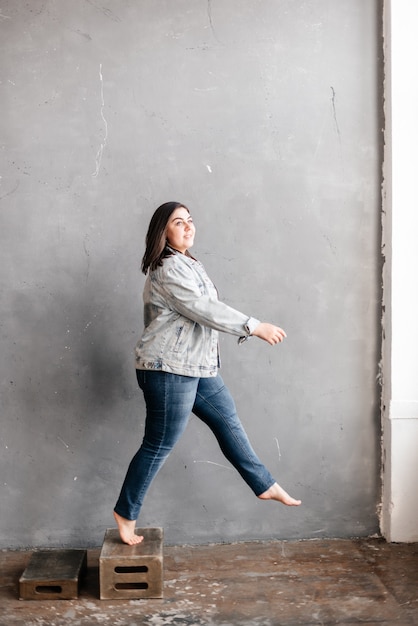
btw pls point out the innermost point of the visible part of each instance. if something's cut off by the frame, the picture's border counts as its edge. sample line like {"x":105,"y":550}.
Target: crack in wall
{"x":212,"y":28}
{"x":334,"y":111}
{"x":102,"y":146}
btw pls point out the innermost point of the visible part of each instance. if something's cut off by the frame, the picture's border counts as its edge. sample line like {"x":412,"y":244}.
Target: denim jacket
{"x":182,"y":317}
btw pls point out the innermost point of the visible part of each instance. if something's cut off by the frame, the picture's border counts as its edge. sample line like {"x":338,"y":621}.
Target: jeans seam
{"x":146,"y":484}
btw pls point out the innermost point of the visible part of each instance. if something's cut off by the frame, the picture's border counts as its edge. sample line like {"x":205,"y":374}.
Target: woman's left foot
{"x":278,"y":493}
{"x":127,"y":530}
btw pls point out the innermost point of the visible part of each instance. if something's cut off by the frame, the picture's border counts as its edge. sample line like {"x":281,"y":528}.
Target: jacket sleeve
{"x":182,"y":293}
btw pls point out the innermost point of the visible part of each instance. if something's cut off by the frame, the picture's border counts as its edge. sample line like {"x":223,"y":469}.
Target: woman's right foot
{"x":127,"y":530}
{"x":280,"y":495}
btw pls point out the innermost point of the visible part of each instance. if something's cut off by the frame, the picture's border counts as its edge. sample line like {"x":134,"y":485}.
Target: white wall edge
{"x":399,"y":507}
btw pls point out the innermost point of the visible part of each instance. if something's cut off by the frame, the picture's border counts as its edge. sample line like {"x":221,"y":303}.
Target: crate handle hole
{"x":133,"y":569}
{"x":48,"y":589}
{"x":120,"y":586}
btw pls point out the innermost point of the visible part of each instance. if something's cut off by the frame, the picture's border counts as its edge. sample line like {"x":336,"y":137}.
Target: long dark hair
{"x":155,"y":241}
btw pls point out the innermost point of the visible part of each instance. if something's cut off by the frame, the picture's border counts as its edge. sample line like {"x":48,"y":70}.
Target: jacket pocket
{"x":182,"y":331}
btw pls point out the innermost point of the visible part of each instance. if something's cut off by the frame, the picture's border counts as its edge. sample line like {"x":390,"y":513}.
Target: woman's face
{"x":180,"y":230}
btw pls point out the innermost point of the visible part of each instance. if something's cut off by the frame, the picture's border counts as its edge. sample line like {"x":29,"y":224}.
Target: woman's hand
{"x":270,"y":333}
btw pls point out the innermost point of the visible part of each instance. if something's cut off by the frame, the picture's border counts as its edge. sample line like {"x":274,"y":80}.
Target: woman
{"x":177,"y":364}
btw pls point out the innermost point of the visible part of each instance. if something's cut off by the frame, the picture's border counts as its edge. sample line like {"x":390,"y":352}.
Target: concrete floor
{"x":251,"y":584}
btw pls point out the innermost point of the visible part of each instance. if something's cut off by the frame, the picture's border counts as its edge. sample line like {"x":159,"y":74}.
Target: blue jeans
{"x":170,"y":399}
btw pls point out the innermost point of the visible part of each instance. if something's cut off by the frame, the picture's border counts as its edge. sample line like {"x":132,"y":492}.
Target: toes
{"x":133,"y":541}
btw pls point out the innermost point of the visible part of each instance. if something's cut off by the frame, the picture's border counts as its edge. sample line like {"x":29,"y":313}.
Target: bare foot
{"x":127,"y":530}
{"x":277,"y":493}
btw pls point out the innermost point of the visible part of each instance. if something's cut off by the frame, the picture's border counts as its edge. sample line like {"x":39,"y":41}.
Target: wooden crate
{"x":53,"y":575}
{"x":132,"y":571}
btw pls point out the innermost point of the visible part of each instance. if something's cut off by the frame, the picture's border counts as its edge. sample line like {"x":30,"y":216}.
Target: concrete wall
{"x":264,"y":118}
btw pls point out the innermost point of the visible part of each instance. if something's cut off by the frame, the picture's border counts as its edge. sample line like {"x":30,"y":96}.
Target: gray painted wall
{"x":263,"y":117}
